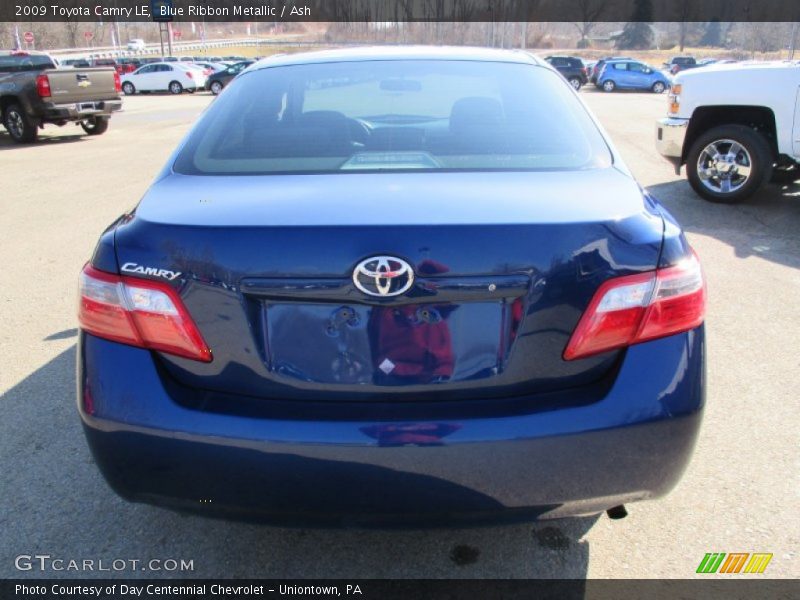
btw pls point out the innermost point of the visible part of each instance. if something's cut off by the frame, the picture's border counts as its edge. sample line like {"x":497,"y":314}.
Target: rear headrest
{"x":477,"y":112}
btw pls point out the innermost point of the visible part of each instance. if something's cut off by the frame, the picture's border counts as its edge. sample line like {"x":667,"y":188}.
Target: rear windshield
{"x":22,"y":63}
{"x":394,"y":115}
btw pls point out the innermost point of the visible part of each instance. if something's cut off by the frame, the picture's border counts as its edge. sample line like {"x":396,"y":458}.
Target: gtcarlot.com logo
{"x":47,"y":562}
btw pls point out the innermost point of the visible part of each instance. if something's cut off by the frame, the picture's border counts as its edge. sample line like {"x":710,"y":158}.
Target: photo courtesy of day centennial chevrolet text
{"x":397,"y":285}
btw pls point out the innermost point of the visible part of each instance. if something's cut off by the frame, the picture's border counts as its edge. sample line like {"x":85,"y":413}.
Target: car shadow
{"x":6,"y":143}
{"x":56,"y":502}
{"x":766,"y":225}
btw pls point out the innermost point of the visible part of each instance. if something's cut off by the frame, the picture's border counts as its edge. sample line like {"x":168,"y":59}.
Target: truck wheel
{"x":609,"y":86}
{"x":216,"y":87}
{"x":175,"y":87}
{"x":658,"y":87}
{"x":19,"y":126}
{"x":95,"y":125}
{"x":575,"y":82}
{"x":128,"y":88}
{"x":729,"y":163}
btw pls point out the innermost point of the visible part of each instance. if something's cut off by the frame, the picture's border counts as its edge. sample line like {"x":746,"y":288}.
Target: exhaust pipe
{"x":617,"y":512}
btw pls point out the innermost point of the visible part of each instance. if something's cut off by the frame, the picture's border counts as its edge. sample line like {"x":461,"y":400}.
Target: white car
{"x":136,"y":45}
{"x":164,"y":77}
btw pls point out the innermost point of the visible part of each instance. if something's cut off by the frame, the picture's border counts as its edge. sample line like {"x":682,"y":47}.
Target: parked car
{"x":103,"y":62}
{"x":128,"y":65}
{"x":598,"y":66}
{"x":136,"y":45}
{"x":631,"y":75}
{"x":209,"y":68}
{"x":680,"y":63}
{"x":164,"y":77}
{"x":572,"y":68}
{"x":735,"y":127}
{"x":77,"y":63}
{"x":34,"y":93}
{"x":706,"y":62}
{"x":217,"y":81}
{"x":408,"y":293}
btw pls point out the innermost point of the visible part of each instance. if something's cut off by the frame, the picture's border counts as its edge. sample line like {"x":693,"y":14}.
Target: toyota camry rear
{"x":403,"y":285}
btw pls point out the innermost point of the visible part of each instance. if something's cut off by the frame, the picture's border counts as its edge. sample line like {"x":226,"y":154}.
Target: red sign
{"x":28,"y":37}
{"x":176,"y":33}
{"x":88,"y":35}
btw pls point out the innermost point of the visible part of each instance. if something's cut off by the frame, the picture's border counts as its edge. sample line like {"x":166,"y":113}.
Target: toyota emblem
{"x":383,"y":276}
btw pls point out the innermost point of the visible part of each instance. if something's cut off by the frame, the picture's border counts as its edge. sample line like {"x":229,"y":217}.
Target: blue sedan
{"x":380,"y":285}
{"x":631,"y":75}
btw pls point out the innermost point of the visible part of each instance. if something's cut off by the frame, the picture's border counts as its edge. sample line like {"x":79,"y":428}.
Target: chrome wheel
{"x":609,"y":86}
{"x":658,"y":87}
{"x":15,"y":124}
{"x":175,"y":87}
{"x":216,"y":88}
{"x":575,"y":82}
{"x":724,"y":166}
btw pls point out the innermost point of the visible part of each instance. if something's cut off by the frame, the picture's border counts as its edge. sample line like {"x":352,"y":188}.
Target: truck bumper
{"x":670,"y":135}
{"x":78,"y":111}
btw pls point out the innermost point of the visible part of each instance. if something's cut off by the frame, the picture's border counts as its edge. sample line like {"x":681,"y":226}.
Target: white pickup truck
{"x":734,"y":126}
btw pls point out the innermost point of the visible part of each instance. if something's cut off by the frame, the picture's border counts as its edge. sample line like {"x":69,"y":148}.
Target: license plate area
{"x":409,"y":344}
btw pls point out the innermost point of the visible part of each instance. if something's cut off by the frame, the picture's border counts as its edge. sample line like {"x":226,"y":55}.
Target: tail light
{"x":117,"y":82}
{"x":43,"y":86}
{"x":637,"y":308}
{"x":189,"y":74}
{"x":139,"y":312}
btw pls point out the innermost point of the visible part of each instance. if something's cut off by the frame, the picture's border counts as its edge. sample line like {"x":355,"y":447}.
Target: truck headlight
{"x":674,"y":99}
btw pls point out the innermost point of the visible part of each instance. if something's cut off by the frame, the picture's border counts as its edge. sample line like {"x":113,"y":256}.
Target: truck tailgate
{"x":81,"y":85}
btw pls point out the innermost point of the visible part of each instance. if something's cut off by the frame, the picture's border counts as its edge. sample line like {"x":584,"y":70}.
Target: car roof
{"x":368,"y":53}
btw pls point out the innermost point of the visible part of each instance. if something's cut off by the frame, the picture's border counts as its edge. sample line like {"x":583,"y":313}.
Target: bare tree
{"x":684,"y":11}
{"x":590,"y":12}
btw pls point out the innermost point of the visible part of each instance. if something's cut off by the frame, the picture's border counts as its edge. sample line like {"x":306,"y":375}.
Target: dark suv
{"x":572,"y":68}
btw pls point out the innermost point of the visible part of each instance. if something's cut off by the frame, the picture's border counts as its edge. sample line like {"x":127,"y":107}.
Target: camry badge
{"x":383,"y":276}
{"x":130,"y":267}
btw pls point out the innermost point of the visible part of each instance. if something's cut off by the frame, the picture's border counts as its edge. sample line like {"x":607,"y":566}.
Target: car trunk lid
{"x":504,"y":264}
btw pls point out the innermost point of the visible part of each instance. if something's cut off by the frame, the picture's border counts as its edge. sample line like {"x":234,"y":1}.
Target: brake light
{"x":138,"y":312}
{"x":637,"y":308}
{"x":43,"y":86}
{"x":189,"y":74}
{"x":117,"y":82}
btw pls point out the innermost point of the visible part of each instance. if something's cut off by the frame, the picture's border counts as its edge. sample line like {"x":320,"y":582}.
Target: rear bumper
{"x":632,"y":444}
{"x":670,"y":135}
{"x":78,"y":111}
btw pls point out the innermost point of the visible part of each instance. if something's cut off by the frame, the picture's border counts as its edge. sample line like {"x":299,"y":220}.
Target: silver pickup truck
{"x":34,"y":92}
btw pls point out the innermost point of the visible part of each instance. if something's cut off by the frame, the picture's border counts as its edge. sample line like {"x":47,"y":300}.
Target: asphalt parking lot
{"x":740,"y":494}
